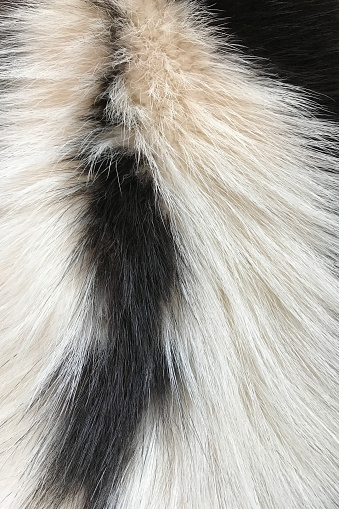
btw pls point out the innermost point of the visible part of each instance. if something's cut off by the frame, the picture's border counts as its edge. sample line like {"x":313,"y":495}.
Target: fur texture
{"x":298,"y":41}
{"x":169,"y":299}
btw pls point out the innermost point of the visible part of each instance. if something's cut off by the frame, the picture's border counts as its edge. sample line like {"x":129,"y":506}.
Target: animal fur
{"x":169,"y":299}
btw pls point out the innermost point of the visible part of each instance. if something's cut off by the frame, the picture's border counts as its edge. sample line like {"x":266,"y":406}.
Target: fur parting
{"x":242,"y":174}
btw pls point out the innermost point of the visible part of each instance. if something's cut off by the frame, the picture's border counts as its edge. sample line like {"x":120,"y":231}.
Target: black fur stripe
{"x":129,"y":258}
{"x":299,"y":38}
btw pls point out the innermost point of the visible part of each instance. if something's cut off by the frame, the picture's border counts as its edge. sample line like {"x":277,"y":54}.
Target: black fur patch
{"x":128,"y":257}
{"x":117,"y":368}
{"x":299,"y":37}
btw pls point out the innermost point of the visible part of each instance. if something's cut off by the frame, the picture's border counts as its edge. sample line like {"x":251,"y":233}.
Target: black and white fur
{"x":169,"y":299}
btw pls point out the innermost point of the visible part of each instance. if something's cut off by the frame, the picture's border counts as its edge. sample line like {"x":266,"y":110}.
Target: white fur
{"x":240,"y":164}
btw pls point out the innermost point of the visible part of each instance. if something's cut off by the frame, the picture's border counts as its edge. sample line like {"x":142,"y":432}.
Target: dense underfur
{"x":169,"y":299}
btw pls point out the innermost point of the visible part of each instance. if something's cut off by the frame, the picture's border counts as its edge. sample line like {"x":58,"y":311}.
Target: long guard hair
{"x":168,"y":278}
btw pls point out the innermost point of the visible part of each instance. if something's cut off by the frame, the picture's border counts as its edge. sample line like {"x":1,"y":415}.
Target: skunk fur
{"x":299,"y":40}
{"x":168,"y":281}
